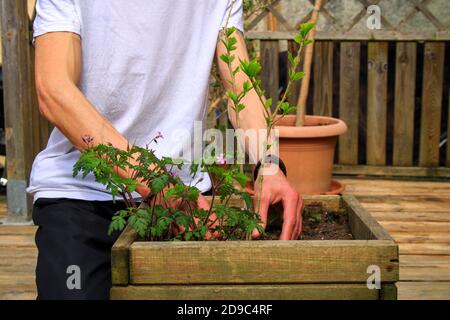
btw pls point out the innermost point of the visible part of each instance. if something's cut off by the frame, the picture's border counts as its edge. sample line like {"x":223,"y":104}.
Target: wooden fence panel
{"x":17,"y":104}
{"x":270,"y":74}
{"x":349,"y":100}
{"x":405,"y":86}
{"x":323,"y":78}
{"x":431,"y":103}
{"x":377,"y":102}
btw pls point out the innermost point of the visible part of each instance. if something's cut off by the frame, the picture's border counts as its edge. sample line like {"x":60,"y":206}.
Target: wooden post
{"x":405,"y":88}
{"x":432,"y":91}
{"x":18,"y":104}
{"x":323,"y":79}
{"x":349,"y":101}
{"x":377,"y":103}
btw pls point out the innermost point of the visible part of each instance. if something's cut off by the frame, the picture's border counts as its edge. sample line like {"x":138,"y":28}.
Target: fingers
{"x":290,"y":201}
{"x":298,"y":224}
{"x":263,"y":213}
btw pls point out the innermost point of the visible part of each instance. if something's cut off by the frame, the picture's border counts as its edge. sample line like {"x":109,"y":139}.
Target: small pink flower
{"x":87,"y":139}
{"x":221,"y":159}
{"x":173,"y":174}
{"x":157,"y":137}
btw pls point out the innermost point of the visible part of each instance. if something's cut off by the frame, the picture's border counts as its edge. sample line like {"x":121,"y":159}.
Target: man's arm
{"x":275,"y":187}
{"x":252,"y":117}
{"x":58,"y":67}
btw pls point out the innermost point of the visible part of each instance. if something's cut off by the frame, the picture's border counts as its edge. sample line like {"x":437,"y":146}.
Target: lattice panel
{"x":347,"y":19}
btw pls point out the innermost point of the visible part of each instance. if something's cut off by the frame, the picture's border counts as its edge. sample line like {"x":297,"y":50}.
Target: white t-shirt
{"x":145,"y":68}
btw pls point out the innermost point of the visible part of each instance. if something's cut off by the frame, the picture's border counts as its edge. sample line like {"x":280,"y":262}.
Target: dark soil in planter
{"x":318,"y":224}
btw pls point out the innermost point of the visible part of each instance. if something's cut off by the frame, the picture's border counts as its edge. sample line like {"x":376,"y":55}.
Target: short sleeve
{"x":236,"y":18}
{"x":56,"y":15}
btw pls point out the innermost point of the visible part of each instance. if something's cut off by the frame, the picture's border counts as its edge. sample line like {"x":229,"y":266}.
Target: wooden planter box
{"x":304,"y":269}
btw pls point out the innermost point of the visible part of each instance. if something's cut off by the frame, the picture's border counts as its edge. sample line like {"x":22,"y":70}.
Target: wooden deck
{"x":417,"y":215}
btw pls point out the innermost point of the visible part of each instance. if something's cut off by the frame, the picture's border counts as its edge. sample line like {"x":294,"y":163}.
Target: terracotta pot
{"x":308,"y":152}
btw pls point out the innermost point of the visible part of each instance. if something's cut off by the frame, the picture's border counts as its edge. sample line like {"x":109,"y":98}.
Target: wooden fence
{"x":391,"y":86}
{"x":394,"y":97}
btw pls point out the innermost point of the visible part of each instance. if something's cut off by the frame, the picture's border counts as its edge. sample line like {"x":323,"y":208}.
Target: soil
{"x":318,"y":224}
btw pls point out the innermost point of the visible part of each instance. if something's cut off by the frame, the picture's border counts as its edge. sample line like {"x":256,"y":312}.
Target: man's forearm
{"x":58,"y":64}
{"x":68,"y":109}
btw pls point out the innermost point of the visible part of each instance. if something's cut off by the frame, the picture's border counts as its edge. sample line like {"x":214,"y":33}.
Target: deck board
{"x":416,"y":214}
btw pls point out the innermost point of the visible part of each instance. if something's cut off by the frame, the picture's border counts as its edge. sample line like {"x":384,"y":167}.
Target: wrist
{"x":270,"y":159}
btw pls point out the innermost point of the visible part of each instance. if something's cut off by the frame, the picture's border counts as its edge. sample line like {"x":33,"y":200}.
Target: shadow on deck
{"x":416,"y":214}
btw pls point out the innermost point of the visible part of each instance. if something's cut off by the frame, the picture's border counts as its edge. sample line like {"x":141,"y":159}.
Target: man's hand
{"x":276,"y":189}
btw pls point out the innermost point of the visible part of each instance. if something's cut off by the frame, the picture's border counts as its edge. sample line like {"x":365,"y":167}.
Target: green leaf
{"x":286,"y":108}
{"x":297,"y":76}
{"x":230,"y":31}
{"x":158,"y":183}
{"x":232,"y":41}
{"x":247,"y":86}
{"x":240,"y":107}
{"x":193,"y":169}
{"x":241,"y":178}
{"x":247,"y":199}
{"x":251,"y":68}
{"x":233,"y":97}
{"x":291,"y":58}
{"x":225,"y":58}
{"x":305,"y":28}
{"x":268,"y":103}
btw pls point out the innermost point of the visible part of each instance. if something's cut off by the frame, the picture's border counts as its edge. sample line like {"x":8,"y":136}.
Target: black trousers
{"x":74,"y":260}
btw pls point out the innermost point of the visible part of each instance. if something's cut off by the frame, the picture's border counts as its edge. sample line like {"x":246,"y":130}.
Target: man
{"x":121,"y":71}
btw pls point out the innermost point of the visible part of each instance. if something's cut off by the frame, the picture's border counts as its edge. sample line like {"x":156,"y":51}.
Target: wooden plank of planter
{"x":405,"y":86}
{"x":377,"y":103}
{"x":388,"y":291}
{"x":323,"y":78}
{"x":349,"y":101}
{"x":328,"y":202}
{"x":362,"y":224}
{"x":120,"y":250}
{"x":120,"y":256}
{"x":430,"y":130}
{"x":239,"y":262}
{"x":351,"y":291}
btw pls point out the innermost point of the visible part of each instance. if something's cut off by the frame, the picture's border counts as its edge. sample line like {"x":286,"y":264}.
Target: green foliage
{"x":170,"y":212}
{"x":252,"y":70}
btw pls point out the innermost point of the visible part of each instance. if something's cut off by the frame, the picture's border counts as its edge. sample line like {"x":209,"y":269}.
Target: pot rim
{"x":336,"y":127}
